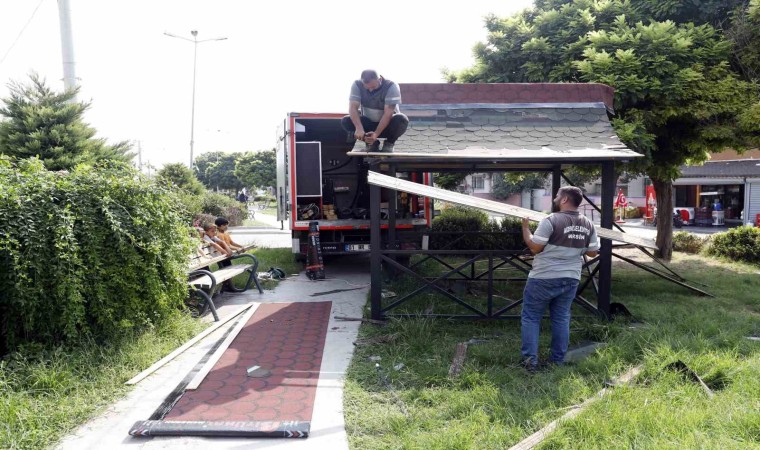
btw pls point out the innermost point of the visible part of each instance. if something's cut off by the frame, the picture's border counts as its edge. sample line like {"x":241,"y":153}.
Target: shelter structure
{"x":494,"y":128}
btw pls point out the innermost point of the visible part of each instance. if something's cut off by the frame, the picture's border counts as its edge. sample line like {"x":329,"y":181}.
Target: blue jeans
{"x":558,"y":295}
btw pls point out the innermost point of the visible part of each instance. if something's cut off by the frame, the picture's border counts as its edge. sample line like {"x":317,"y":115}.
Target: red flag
{"x":620,"y":200}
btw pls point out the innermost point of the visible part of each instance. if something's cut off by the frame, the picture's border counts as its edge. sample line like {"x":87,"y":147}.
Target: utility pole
{"x":139,"y":155}
{"x":195,"y":42}
{"x":67,"y":45}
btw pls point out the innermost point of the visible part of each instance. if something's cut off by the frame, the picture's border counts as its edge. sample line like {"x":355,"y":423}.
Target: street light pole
{"x":195,"y":42}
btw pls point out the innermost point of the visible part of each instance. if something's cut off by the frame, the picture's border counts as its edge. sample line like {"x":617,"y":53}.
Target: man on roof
{"x":373,"y":112}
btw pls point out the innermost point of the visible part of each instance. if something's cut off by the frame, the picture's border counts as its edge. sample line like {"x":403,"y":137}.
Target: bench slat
{"x":221,"y":275}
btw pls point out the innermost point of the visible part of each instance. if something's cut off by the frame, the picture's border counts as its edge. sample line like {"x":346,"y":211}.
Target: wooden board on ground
{"x":489,"y":205}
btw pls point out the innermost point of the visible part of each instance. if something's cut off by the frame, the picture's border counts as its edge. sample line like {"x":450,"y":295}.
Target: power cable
{"x":21,"y":32}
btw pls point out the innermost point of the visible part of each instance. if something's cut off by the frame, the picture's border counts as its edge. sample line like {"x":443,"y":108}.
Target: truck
{"x":317,"y":180}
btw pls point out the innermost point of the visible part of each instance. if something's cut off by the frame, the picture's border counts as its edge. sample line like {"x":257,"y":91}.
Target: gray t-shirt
{"x":373,"y":103}
{"x":567,"y":235}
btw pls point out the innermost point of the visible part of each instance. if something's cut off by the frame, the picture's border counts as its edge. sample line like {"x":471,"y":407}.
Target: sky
{"x":279,"y":57}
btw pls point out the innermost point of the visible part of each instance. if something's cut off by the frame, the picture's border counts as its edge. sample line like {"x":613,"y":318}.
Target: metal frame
{"x":384,"y":250}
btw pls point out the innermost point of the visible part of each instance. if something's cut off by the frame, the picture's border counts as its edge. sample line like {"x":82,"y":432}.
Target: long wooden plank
{"x":142,"y":375}
{"x":536,"y":438}
{"x":489,"y":205}
{"x":545,"y":153}
{"x":222,"y":348}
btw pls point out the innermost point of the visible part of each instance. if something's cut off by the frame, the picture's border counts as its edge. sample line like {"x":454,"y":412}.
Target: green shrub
{"x":458,"y":219}
{"x":95,"y":252}
{"x":741,"y":243}
{"x":219,"y":205}
{"x":686,"y":242}
{"x":632,"y":212}
{"x":504,"y":234}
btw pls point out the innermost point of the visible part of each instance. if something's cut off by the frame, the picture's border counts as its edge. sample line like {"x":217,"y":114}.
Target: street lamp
{"x":195,"y":42}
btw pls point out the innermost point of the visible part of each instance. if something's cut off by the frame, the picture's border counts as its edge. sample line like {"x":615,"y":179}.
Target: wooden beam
{"x":222,"y":348}
{"x":536,"y":438}
{"x":398,"y":184}
{"x":158,"y":364}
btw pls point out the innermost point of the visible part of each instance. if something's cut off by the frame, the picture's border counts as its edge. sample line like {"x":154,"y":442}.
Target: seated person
{"x":218,"y":244}
{"x":221,"y":231}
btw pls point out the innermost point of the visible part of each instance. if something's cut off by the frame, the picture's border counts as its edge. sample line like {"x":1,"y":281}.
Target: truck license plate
{"x":357,"y":248}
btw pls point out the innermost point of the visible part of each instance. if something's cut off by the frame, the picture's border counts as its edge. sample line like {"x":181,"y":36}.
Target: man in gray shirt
{"x":373,"y":112}
{"x":559,"y":243}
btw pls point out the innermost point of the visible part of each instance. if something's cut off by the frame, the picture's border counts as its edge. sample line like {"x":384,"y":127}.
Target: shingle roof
{"x":459,"y":127}
{"x":510,"y":120}
{"x":436,"y":93}
{"x":720,"y":169}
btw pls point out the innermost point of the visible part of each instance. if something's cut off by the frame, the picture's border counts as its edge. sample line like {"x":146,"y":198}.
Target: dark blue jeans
{"x":396,"y":127}
{"x":558,"y":295}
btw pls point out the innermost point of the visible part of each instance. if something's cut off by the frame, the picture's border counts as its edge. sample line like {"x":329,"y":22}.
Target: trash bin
{"x":757,"y":220}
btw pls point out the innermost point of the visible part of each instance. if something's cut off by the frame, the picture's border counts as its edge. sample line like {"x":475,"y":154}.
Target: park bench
{"x":205,"y":284}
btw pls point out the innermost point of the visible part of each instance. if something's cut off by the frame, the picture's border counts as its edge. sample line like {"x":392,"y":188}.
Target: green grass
{"x":495,"y":404}
{"x":270,"y":257}
{"x":271,"y":211}
{"x":255,"y":223}
{"x":47,"y":392}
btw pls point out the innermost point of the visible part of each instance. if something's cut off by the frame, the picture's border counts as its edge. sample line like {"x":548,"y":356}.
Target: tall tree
{"x":676,"y":97}
{"x":48,"y":124}
{"x":202,"y":163}
{"x":221,"y":174}
{"x":180,"y":176}
{"x":257,"y":169}
{"x":744,"y":33}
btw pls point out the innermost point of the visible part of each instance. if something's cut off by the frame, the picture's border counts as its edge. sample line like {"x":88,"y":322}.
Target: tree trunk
{"x":664,"y":193}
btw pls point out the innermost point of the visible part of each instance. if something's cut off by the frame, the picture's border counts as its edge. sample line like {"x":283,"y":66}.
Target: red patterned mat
{"x":284,"y":338}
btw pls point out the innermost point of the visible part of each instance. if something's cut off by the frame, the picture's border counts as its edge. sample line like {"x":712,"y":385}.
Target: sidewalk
{"x":109,"y":429}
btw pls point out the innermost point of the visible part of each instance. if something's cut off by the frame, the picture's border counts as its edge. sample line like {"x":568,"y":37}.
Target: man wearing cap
{"x":373,"y":112}
{"x":559,"y":243}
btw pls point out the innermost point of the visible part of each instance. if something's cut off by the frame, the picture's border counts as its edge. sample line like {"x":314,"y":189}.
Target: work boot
{"x":375,"y":147}
{"x":388,"y":147}
{"x":530,"y":365}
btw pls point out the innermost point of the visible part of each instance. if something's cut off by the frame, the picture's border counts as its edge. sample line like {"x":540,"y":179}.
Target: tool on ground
{"x":360,"y":319}
{"x":334,"y":291}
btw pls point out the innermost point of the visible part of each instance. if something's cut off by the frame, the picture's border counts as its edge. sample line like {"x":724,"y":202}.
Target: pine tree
{"x":49,"y":125}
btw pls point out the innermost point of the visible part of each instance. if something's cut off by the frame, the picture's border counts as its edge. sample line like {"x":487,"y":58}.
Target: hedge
{"x":505,"y":234}
{"x":688,"y":243}
{"x":96,"y":252}
{"x":740,"y":243}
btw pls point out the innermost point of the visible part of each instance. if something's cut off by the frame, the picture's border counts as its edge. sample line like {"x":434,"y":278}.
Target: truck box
{"x":317,"y":180}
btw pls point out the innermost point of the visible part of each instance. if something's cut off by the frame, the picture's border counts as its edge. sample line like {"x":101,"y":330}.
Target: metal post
{"x":195,"y":42}
{"x":67,"y":45}
{"x":192,"y":111}
{"x":376,"y":276}
{"x":392,"y":207}
{"x":605,"y":254}
{"x":556,"y":181}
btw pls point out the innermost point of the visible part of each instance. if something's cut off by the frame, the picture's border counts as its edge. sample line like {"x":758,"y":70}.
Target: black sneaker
{"x":530,"y":365}
{"x":375,"y":147}
{"x":388,"y":147}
